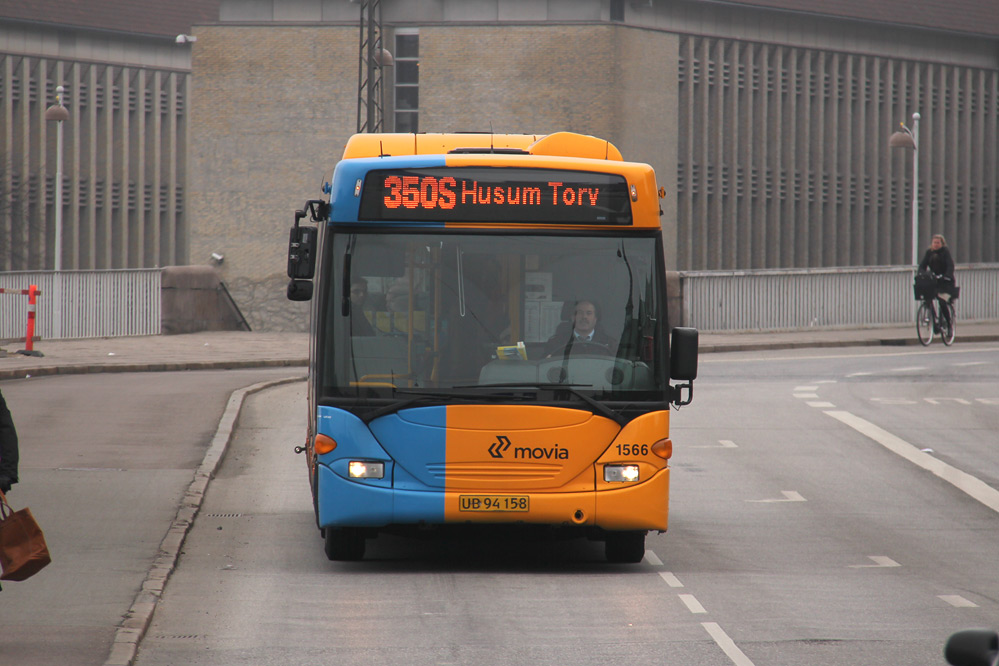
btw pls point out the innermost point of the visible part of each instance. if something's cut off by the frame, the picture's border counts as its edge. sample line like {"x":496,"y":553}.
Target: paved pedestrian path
{"x":192,"y":351}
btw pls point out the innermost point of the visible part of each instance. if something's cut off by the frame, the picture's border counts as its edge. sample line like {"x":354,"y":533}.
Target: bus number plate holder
{"x":494,"y":503}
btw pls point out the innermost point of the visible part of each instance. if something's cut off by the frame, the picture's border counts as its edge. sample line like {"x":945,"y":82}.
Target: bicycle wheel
{"x":948,"y":327}
{"x":924,"y":323}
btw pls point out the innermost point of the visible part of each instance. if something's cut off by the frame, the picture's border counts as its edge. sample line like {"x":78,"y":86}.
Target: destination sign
{"x":495,"y":194}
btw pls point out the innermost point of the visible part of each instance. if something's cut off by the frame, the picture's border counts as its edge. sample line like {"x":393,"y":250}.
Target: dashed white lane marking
{"x":970,"y":485}
{"x":913,"y":368}
{"x":692,"y":604}
{"x":670,"y":579}
{"x":820,"y":405}
{"x":667,"y":576}
{"x":964,"y":365}
{"x":860,"y":374}
{"x":727,"y":645}
{"x":722,"y":444}
{"x":789,"y":496}
{"x":880,"y":561}
{"x":957,"y":601}
{"x":806,"y":388}
{"x":805,"y":396}
{"x":938,"y":401}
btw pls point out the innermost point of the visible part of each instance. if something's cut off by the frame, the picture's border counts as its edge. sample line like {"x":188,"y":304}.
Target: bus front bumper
{"x":346,"y":503}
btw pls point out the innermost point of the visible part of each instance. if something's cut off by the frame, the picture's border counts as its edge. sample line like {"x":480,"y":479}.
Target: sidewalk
{"x":210,"y":350}
{"x":239,"y":349}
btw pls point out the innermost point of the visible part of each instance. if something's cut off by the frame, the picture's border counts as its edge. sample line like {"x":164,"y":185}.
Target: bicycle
{"x":930,"y":319}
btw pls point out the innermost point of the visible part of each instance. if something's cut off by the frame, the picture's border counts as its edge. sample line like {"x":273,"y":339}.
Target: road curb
{"x":133,"y":627}
{"x":829,"y":344}
{"x":165,"y":366}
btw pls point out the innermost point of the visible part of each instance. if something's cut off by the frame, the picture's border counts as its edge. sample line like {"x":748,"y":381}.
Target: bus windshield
{"x":474,"y":315}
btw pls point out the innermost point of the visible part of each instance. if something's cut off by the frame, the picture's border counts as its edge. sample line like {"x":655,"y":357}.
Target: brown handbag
{"x":23,"y":552}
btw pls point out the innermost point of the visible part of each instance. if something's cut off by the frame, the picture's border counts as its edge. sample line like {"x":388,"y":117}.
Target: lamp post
{"x":58,"y":113}
{"x":906,"y":138}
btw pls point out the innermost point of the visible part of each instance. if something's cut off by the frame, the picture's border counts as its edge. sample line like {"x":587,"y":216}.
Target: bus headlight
{"x":620,"y":473}
{"x":362,"y":469}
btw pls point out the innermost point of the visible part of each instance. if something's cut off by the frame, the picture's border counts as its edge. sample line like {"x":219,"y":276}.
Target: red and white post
{"x":32,"y":292}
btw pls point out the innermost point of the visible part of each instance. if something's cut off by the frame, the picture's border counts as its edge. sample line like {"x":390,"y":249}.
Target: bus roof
{"x":562,"y":144}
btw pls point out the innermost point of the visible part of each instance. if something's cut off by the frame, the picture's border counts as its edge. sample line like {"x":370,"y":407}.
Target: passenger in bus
{"x":397,"y":296}
{"x":395,"y":321}
{"x":359,"y":324}
{"x":585,"y":336}
{"x":477,"y":319}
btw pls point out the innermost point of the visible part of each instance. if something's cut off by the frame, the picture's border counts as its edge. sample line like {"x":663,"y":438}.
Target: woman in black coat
{"x":938,"y":261}
{"x":8,"y":448}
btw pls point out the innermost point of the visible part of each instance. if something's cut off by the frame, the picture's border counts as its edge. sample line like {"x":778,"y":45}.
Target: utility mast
{"x":372,"y":60}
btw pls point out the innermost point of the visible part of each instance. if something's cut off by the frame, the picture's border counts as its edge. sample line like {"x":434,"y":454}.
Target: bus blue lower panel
{"x":347,"y":503}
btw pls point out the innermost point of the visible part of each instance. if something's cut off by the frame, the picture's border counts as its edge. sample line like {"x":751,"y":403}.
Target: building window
{"x":617,"y":10}
{"x":407,"y":80}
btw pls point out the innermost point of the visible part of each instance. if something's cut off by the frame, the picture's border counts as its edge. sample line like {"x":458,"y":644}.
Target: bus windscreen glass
{"x":442,"y":311}
{"x":495,"y":194}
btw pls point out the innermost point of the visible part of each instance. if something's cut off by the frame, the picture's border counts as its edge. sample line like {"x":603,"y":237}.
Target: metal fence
{"x":92,"y":304}
{"x":765,"y":300}
{"x":128,"y":302}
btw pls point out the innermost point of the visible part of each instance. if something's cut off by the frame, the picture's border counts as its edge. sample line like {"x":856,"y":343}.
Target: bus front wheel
{"x":344,"y":543}
{"x":625,"y":547}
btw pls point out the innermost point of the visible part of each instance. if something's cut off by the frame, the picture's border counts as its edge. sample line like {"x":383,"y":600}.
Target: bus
{"x":489,"y":341}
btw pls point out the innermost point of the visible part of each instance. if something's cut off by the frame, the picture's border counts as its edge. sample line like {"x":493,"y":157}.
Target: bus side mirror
{"x":973,"y":647}
{"x":302,"y":251}
{"x":683,"y":364}
{"x":301,"y":260}
{"x":683,"y":354}
{"x":300,"y":290}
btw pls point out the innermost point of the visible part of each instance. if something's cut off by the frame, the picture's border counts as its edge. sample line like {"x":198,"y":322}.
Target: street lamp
{"x":906,"y":138}
{"x":58,"y":113}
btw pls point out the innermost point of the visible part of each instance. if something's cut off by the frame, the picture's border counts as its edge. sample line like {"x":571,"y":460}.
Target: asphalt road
{"x":811,"y":524}
{"x":105,"y":461}
{"x":824,"y":511}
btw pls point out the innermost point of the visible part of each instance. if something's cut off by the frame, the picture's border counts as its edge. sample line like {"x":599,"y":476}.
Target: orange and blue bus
{"x":489,"y":340}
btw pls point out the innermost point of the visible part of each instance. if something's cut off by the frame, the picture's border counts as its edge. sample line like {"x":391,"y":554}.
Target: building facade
{"x":767,"y":121}
{"x":125,"y":78}
{"x":768,"y":127}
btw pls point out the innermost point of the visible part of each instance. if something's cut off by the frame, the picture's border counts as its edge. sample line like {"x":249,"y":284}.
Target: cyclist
{"x":939,"y":262}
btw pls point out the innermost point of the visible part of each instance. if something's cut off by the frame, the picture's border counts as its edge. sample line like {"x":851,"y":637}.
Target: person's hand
{"x":5,"y":484}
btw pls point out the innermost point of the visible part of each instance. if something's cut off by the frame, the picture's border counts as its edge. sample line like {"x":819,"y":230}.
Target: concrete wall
{"x":271,"y":110}
{"x":192,"y":299}
{"x":273,"y":105}
{"x":530,"y":79}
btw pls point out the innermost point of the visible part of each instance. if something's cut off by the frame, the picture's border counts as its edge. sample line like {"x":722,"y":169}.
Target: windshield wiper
{"x":597,"y":406}
{"x":394,"y":407}
{"x":421,"y":396}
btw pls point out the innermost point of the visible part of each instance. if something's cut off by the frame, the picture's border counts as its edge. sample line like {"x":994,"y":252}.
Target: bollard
{"x":29,"y":350}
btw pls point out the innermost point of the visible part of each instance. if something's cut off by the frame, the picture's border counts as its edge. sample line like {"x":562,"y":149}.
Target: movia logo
{"x":497,"y":448}
{"x":502,"y":445}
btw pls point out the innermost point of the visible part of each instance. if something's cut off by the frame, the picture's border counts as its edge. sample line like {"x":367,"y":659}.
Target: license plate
{"x":494,"y":503}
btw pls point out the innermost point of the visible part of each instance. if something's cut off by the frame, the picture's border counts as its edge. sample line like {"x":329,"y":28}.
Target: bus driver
{"x":591,"y":340}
